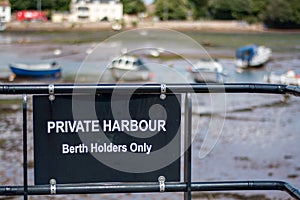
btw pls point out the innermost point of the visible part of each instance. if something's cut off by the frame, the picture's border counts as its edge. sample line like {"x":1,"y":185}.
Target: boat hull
{"x":260,"y":58}
{"x":207,"y":77}
{"x":283,"y":79}
{"x":207,"y":71}
{"x":127,"y":75}
{"x":35,"y":73}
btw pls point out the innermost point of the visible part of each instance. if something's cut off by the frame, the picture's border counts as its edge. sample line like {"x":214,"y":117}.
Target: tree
{"x":62,"y":5}
{"x":247,"y":10}
{"x":220,"y":9}
{"x":133,"y":6}
{"x":171,"y":9}
{"x":21,"y":5}
{"x":283,"y":14}
{"x":59,"y":5}
{"x":258,"y":8}
{"x":239,"y":9}
{"x":199,"y":8}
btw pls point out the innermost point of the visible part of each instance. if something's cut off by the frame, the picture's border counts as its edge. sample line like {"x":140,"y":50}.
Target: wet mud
{"x":258,"y":142}
{"x":250,"y":137}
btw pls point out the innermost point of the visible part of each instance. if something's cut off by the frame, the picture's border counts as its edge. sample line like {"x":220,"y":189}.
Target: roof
{"x":246,"y":51}
{"x":4,"y":3}
{"x":247,"y":47}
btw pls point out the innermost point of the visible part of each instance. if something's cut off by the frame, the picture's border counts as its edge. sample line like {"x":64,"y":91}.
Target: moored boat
{"x":252,"y":56}
{"x":116,"y":26}
{"x":36,"y":70}
{"x":290,"y":77}
{"x":130,"y":68}
{"x":207,"y":70}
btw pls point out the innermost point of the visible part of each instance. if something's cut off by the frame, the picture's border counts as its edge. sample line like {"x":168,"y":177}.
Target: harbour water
{"x":236,"y":136}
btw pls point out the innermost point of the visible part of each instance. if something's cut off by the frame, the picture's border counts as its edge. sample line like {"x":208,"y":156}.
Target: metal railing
{"x":187,"y":186}
{"x":150,"y":88}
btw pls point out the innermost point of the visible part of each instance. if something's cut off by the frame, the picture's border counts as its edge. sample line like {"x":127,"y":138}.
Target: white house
{"x":96,"y":10}
{"x":5,"y":11}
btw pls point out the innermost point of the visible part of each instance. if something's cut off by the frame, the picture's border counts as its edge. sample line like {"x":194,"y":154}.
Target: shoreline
{"x":200,"y":26}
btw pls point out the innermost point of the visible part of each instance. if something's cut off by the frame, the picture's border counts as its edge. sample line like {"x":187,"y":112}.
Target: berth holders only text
{"x":106,"y":148}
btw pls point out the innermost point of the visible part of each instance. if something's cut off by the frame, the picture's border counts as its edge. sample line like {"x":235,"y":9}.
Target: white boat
{"x":130,"y":68}
{"x":252,"y":56}
{"x":207,"y":70}
{"x":116,"y":26}
{"x":290,"y":77}
{"x":156,"y":52}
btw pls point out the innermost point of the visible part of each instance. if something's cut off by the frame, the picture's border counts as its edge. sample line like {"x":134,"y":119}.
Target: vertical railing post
{"x":25,"y":178}
{"x":188,"y":146}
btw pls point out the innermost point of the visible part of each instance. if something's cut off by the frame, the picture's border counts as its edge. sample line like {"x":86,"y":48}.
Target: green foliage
{"x":199,"y":8}
{"x":58,"y":5}
{"x":257,"y":8}
{"x":274,"y":13}
{"x":22,"y":5}
{"x":171,"y":9}
{"x":239,"y":9}
{"x":61,"y":5}
{"x":134,"y":23}
{"x":133,"y":6}
{"x":247,"y":10}
{"x":283,"y":14}
{"x":220,"y":9}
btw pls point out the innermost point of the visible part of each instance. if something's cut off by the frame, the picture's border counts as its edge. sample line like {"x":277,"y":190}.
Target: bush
{"x":282,"y":14}
{"x":171,"y":10}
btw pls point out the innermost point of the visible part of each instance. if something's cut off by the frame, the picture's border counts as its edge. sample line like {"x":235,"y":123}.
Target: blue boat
{"x":252,"y":56}
{"x":36,"y":70}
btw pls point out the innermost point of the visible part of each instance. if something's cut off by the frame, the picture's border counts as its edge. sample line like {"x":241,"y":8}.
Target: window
{"x":83,"y":9}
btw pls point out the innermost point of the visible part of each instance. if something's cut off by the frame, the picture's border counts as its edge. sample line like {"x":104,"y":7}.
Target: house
{"x":59,"y":17}
{"x":5,"y":11}
{"x":96,"y":10}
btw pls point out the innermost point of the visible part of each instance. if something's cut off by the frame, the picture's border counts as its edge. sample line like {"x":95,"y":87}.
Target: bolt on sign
{"x":106,"y":138}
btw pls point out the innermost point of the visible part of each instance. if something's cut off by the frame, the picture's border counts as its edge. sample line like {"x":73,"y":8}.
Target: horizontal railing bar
{"x":150,"y":88}
{"x":152,"y":187}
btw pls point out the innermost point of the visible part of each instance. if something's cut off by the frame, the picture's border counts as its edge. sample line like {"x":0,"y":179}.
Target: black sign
{"x":106,"y":138}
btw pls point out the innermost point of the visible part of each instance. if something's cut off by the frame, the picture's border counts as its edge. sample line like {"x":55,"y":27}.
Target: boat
{"x":290,"y":77}
{"x":207,"y":70}
{"x":156,"y":52}
{"x":116,"y":26}
{"x":36,"y":70}
{"x":252,"y":56}
{"x":129,"y":68}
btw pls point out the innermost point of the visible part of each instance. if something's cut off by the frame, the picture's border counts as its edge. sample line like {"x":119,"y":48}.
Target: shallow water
{"x":38,"y":47}
{"x":258,"y":141}
{"x":253,"y":136}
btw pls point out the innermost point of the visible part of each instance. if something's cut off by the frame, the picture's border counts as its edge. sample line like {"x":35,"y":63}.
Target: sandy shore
{"x":215,"y":26}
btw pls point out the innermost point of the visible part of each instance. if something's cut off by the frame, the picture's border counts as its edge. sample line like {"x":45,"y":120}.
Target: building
{"x":59,"y":17}
{"x":5,"y":11}
{"x":96,"y":10}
